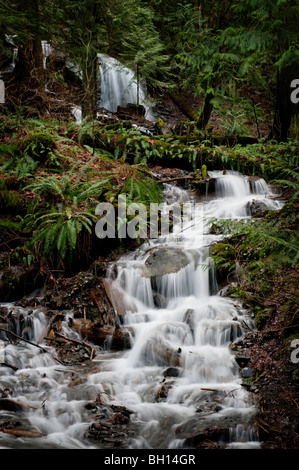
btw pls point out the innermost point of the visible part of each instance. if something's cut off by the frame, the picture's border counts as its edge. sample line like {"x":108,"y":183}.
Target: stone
{"x":165,"y":260}
{"x":257,"y":207}
{"x":171,"y":372}
{"x":248,"y":372}
{"x":159,"y":300}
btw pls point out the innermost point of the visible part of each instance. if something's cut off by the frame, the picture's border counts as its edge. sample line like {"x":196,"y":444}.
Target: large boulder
{"x":165,"y":260}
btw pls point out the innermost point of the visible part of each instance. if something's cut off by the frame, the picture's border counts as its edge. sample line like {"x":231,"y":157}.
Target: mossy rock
{"x":224,"y":250}
{"x":288,"y":209}
{"x":38,"y":145}
{"x":10,"y":201}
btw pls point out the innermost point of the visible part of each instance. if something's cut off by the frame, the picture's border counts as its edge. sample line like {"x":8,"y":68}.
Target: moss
{"x":224,"y":250}
{"x":288,"y":209}
{"x":261,"y":317}
{"x":37,"y":145}
{"x":10,"y":201}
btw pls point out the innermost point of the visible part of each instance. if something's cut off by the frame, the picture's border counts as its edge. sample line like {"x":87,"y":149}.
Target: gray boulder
{"x":165,"y":260}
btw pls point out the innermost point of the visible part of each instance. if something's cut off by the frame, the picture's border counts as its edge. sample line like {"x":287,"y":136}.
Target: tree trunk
{"x":90,"y":86}
{"x":183,"y":106}
{"x":205,"y":112}
{"x":90,"y":65}
{"x":30,"y":68}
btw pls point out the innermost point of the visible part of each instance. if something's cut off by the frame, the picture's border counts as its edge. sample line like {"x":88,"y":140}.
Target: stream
{"x":179,"y":376}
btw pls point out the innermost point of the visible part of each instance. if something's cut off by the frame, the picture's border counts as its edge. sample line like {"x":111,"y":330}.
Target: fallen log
{"x":7,"y":404}
{"x":118,"y":298}
{"x":178,"y":178}
{"x":21,"y":433}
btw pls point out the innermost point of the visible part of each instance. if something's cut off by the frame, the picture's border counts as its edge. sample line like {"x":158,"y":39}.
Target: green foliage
{"x":224,"y":257}
{"x":142,"y":189}
{"x":234,"y":122}
{"x":265,"y":243}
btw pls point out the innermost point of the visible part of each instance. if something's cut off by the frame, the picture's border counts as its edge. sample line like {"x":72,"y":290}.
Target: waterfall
{"x":179,"y":375}
{"x":118,"y":86}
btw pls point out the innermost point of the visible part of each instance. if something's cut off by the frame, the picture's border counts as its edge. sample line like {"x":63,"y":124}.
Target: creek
{"x":179,"y":378}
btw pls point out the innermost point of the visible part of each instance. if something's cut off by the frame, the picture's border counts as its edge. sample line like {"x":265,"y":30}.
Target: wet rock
{"x":12,"y":405}
{"x":204,"y":186}
{"x":204,"y":437}
{"x":114,"y":337}
{"x":112,"y":425}
{"x":171,"y":372}
{"x":165,"y":354}
{"x":257,"y":207}
{"x":165,"y":260}
{"x":248,"y":372}
{"x":159,"y":300}
{"x":163,"y":390}
{"x":188,"y":318}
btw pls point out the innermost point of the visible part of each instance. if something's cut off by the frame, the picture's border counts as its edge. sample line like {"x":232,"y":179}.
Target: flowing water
{"x":190,"y":332}
{"x":118,"y":86}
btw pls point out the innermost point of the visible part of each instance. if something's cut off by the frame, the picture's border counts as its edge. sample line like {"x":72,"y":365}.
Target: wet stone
{"x":171,"y":372}
{"x":248,"y":372}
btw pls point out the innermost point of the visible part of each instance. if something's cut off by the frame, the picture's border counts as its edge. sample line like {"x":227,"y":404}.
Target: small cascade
{"x":179,"y":376}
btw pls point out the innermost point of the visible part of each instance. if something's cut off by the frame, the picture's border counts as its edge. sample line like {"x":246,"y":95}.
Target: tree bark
{"x":206,"y":111}
{"x":90,"y":86}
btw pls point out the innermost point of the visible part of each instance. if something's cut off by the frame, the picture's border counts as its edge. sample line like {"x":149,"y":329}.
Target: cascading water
{"x":179,"y":377}
{"x":118,"y":86}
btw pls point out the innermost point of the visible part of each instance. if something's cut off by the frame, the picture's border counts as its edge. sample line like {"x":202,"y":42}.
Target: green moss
{"x":10,"y":200}
{"x":37,"y":145}
{"x":288,"y":209}
{"x":224,"y":250}
{"x":261,"y":317}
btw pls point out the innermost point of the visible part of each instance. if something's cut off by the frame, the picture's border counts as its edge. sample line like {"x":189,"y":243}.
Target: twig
{"x":22,"y":339}
{"x":6,"y":364}
{"x":169,"y":180}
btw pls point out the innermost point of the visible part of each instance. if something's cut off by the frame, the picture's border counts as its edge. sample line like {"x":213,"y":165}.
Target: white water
{"x":118,"y":86}
{"x":192,"y":332}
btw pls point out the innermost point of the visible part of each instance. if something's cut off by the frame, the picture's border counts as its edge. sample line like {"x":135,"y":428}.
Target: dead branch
{"x":22,"y":339}
{"x":178,"y":178}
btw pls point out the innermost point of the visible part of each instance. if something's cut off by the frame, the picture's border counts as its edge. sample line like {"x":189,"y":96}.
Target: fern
{"x":59,"y":230}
